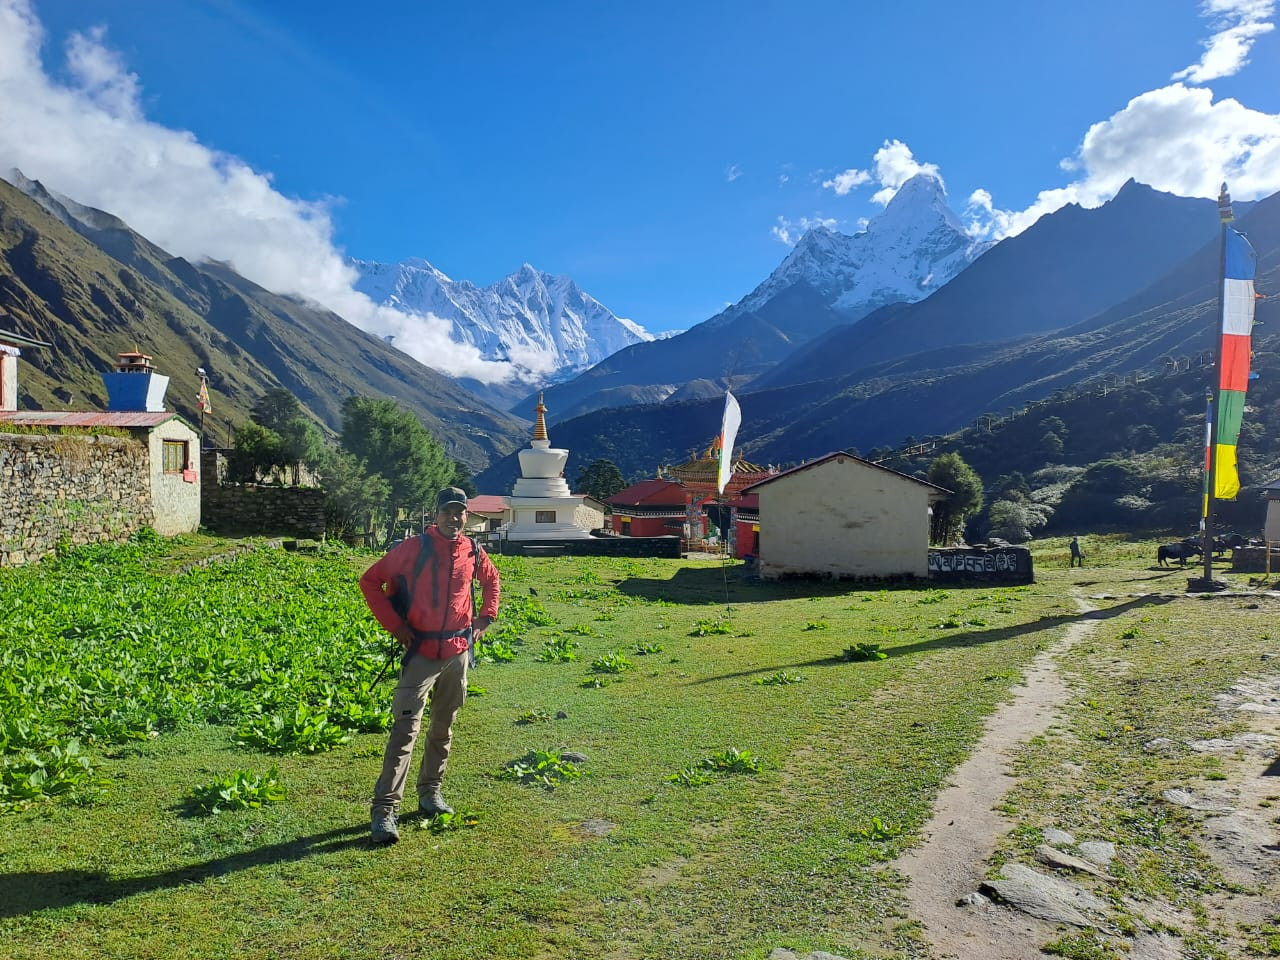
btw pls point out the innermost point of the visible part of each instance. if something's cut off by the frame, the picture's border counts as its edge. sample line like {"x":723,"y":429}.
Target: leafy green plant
{"x":544,"y":768}
{"x":583,"y":630}
{"x":644,"y":649}
{"x":59,"y":771}
{"x":817,"y":625}
{"x":300,"y":730}
{"x":595,"y":682}
{"x":863,"y":652}
{"x":877,"y":829}
{"x":496,"y":651}
{"x":690,"y":777}
{"x":242,"y":790}
{"x":706,"y":628}
{"x":557,"y":650}
{"x":533,"y":716}
{"x":448,"y":822}
{"x":781,"y":678}
{"x":733,"y":761}
{"x":615,"y":662}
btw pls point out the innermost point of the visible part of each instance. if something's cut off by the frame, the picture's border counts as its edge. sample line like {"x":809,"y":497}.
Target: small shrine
{"x":542,"y":508}
{"x":135,"y":385}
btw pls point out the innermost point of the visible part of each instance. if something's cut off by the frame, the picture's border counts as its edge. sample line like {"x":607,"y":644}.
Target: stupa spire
{"x":540,"y":423}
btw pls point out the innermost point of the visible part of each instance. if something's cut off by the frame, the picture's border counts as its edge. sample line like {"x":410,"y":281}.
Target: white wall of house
{"x":8,"y":378}
{"x":177,"y":500}
{"x":1271,"y":527}
{"x":844,"y":518}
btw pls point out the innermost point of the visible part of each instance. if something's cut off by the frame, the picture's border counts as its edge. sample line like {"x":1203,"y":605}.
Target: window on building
{"x":626,"y":526}
{"x":175,"y":456}
{"x":544,"y":516}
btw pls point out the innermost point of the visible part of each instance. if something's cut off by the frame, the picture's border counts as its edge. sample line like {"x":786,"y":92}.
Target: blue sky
{"x":662,"y":154}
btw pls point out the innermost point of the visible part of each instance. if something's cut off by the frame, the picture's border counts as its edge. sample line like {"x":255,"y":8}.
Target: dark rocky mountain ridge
{"x":81,"y":280}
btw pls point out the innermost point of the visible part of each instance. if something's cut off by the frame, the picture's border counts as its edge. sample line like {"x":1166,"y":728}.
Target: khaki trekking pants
{"x":417,"y":677}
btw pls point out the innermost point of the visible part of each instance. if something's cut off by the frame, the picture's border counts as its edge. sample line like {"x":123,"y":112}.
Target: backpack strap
{"x":403,"y":598}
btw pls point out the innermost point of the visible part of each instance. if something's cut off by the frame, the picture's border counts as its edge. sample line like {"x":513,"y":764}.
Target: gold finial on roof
{"x":540,"y":424}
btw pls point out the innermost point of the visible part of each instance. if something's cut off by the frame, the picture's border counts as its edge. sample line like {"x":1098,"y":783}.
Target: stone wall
{"x":1002,"y":565}
{"x":67,"y":491}
{"x":237,"y":510}
{"x":668,"y":547}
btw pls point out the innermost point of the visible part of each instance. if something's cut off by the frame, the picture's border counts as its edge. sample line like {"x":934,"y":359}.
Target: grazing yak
{"x":1180,"y":551}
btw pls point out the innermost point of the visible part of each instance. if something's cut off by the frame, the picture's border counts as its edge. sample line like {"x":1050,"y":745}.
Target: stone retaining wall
{"x":238,"y":510}
{"x":668,"y":547}
{"x":67,"y":491}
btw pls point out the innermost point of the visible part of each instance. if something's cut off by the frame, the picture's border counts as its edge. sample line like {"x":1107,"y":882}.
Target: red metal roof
{"x":487,"y":503}
{"x":66,"y":418}
{"x":655,"y":492}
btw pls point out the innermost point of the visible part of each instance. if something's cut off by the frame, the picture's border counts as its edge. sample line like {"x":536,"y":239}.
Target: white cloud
{"x":842,"y":183}
{"x":1238,"y":23}
{"x":89,"y":139}
{"x":895,"y":165}
{"x":733,"y":173}
{"x":789,"y":231}
{"x":1175,"y":139}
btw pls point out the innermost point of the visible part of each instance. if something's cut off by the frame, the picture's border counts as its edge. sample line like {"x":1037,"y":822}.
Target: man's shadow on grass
{"x":27,"y":892}
{"x":960,"y":640}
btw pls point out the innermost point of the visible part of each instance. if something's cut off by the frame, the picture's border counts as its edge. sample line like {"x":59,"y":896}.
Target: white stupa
{"x":542,"y":508}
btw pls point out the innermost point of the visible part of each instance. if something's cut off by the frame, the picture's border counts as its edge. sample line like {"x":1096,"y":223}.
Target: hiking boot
{"x":382,"y":827}
{"x":431,"y":803}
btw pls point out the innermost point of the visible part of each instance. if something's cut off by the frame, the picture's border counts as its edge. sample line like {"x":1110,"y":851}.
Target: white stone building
{"x":842,"y":516}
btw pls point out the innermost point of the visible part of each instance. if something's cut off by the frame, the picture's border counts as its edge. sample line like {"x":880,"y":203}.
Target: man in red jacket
{"x":437,"y":631}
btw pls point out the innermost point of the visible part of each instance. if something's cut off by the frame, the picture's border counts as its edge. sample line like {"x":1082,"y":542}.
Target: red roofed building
{"x":486,"y":512}
{"x":650,"y":508}
{"x":746,"y":525}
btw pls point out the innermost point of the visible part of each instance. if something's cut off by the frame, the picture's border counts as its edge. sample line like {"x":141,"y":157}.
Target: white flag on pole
{"x":728,"y":434}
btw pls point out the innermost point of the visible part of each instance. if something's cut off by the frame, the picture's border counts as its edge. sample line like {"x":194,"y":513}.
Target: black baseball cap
{"x":450,"y":495}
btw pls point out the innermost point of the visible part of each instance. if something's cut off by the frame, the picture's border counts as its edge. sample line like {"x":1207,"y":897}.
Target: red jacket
{"x":442,"y":600}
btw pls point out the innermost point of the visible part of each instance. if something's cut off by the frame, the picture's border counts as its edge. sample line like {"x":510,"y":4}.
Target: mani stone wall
{"x":1002,"y":565}
{"x":68,"y":491}
{"x":238,"y":510}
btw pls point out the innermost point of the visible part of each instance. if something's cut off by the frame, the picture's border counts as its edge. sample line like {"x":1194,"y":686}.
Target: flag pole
{"x":1225,"y":215}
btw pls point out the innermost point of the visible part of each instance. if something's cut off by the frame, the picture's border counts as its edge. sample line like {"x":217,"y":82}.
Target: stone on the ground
{"x":1253,"y":742}
{"x":1185,"y":798}
{"x":1042,"y":896}
{"x":1060,"y":860}
{"x":974,"y":899}
{"x":1101,"y":852}
{"x":780,"y":953}
{"x":1160,"y":745}
{"x":1059,"y":838}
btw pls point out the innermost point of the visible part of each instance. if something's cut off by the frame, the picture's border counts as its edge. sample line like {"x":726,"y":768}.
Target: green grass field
{"x":171,"y":677}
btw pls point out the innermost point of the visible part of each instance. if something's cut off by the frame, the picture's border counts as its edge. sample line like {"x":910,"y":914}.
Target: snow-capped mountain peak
{"x":546,"y":325}
{"x":912,"y":248}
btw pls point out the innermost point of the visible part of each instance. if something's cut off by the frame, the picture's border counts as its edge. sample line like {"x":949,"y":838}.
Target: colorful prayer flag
{"x":1239,"y":268}
{"x":202,"y":398}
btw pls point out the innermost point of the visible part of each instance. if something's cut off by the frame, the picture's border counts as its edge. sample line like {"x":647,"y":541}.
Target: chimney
{"x":135,"y":385}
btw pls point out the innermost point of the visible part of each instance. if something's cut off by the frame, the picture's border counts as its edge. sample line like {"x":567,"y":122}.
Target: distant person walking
{"x":421,"y":594}
{"x":1077,"y":555}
